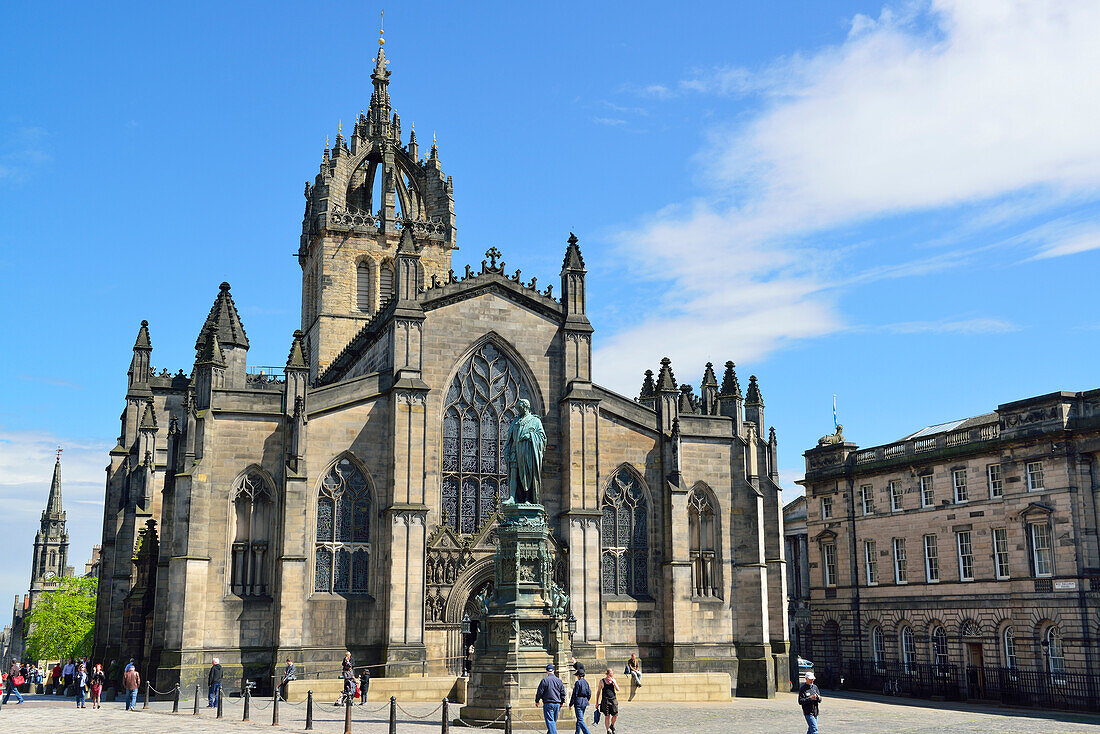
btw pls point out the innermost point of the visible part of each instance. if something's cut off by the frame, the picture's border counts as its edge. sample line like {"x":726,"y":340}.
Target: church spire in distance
{"x":53,"y":504}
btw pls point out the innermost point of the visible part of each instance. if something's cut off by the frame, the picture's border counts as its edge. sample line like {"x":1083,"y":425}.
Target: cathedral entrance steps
{"x":408,"y":690}
{"x":672,"y":687}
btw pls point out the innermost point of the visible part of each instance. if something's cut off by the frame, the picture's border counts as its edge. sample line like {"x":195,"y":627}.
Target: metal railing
{"x":1010,"y":686}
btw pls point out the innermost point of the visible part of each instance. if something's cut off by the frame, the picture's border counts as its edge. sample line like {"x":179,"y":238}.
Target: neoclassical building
{"x":967,"y":549}
{"x":351,"y":501}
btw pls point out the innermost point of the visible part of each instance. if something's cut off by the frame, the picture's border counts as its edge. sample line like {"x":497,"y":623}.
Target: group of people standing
{"x":77,"y":678}
{"x":551,"y":694}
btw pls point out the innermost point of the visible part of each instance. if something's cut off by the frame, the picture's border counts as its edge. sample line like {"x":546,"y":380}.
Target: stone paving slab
{"x":849,"y":714}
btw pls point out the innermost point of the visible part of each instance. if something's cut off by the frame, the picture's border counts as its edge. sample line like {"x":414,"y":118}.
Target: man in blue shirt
{"x":582,"y":693}
{"x":551,"y":692}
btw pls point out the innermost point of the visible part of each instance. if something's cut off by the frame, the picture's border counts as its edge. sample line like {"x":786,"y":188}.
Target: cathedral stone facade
{"x":352,"y":501}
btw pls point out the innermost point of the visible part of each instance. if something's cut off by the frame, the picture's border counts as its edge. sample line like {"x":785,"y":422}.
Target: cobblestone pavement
{"x":849,"y":714}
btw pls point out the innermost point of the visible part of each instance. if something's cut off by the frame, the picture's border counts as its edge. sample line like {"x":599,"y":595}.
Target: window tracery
{"x":342,"y":548}
{"x":625,"y":538}
{"x":252,"y":516}
{"x":703,"y":541}
{"x":480,"y":404}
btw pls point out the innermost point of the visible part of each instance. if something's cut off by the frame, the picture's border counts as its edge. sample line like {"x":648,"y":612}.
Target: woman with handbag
{"x":12,"y":684}
{"x":98,"y":679}
{"x":607,"y":702}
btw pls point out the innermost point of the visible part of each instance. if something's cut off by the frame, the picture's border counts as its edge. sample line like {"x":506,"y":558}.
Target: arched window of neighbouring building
{"x":342,"y":546}
{"x":252,"y":520}
{"x":908,"y":649}
{"x":624,"y":532}
{"x":939,"y":647}
{"x":1008,"y":647}
{"x":878,"y":646}
{"x":1056,"y":658}
{"x":481,"y":402}
{"x":703,"y":539}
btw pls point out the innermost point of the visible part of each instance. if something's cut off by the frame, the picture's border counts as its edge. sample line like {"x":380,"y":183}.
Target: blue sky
{"x":896,"y":203}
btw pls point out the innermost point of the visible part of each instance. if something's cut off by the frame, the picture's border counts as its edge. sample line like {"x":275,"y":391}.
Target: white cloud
{"x":935,"y":107}
{"x":972,"y":326}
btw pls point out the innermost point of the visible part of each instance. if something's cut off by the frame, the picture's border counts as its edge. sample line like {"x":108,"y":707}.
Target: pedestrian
{"x":468,"y":661}
{"x":808,"y":698}
{"x":97,"y":681}
{"x":55,"y":677}
{"x":213,"y":683}
{"x":578,"y":700}
{"x":67,"y":674}
{"x":364,"y":684}
{"x":634,"y":668}
{"x":607,"y":700}
{"x":131,"y":681}
{"x":551,"y":692}
{"x":347,"y":672}
{"x":80,"y":680}
{"x":289,"y":674}
{"x":10,"y":686}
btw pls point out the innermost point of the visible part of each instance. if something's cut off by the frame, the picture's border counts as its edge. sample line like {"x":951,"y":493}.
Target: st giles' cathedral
{"x":351,"y":503}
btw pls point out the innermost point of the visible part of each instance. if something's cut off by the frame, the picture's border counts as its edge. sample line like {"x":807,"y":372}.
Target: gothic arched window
{"x":480,"y":404}
{"x":362,"y":286}
{"x":703,"y":540}
{"x":625,"y":537}
{"x":342,"y":548}
{"x":252,"y":515}
{"x":385,"y":282}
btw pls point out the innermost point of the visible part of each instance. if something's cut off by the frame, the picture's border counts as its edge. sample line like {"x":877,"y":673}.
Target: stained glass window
{"x":481,"y":403}
{"x":625,"y":539}
{"x":343,"y":531}
{"x":252,"y":515}
{"x":702,"y":543}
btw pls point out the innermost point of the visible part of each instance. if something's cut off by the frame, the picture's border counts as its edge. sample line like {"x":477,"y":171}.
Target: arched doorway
{"x":462,"y":603}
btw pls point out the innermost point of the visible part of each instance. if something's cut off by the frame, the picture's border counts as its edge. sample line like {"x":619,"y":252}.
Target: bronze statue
{"x":523,"y":450}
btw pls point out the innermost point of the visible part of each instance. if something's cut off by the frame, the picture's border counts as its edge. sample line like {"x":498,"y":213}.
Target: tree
{"x":60,"y":622}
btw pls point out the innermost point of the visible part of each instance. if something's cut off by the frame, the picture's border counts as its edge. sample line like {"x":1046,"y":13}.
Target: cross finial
{"x":59,"y":450}
{"x":381,"y":19}
{"x":492,"y":253}
{"x":339,"y":126}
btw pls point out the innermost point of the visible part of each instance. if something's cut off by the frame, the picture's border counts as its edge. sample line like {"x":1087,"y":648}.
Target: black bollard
{"x":219,"y":703}
{"x":196,"y":699}
{"x":275,"y":707}
{"x":247,"y":702}
{"x":176,"y":700}
{"x":309,"y":710}
{"x":393,"y":715}
{"x":446,"y":718}
{"x":145,"y":705}
{"x":347,"y":716}
{"x":508,"y":719}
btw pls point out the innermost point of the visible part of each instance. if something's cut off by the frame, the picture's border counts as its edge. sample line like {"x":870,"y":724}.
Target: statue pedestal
{"x":524,"y":625}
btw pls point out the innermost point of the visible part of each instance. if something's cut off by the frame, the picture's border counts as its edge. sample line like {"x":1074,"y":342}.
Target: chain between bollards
{"x":145,"y":705}
{"x":347,"y":715}
{"x":508,"y":719}
{"x":219,"y":703}
{"x":445,"y":727}
{"x":196,"y":712}
{"x":309,"y":710}
{"x":275,"y":706}
{"x":176,"y":700}
{"x":393,"y":715}
{"x":247,"y":702}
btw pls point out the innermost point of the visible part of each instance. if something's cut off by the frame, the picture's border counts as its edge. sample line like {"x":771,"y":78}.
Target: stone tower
{"x":369,"y":189}
{"x":51,"y":542}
